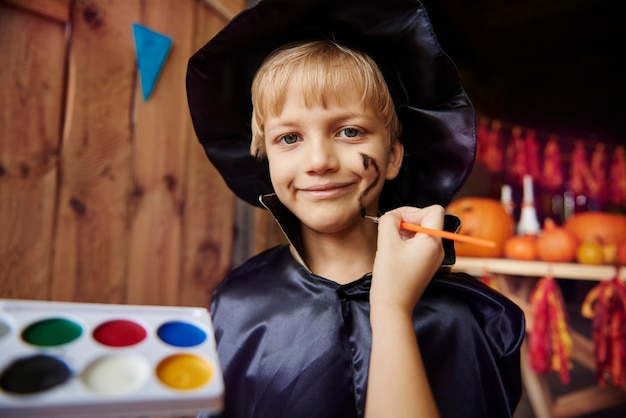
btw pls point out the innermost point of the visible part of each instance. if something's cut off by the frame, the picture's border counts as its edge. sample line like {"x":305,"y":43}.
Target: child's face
{"x":327,"y":164}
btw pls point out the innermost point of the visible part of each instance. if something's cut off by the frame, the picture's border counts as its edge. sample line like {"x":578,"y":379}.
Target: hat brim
{"x":436,"y":114}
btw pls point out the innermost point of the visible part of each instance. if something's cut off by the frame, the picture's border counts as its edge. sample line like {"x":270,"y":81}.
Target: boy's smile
{"x":327,"y":163}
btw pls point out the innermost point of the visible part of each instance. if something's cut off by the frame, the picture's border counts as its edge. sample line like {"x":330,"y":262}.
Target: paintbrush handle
{"x":448,"y":235}
{"x":439,"y":233}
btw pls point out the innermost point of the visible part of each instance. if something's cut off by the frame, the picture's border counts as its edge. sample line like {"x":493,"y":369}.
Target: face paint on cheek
{"x":367,"y":163}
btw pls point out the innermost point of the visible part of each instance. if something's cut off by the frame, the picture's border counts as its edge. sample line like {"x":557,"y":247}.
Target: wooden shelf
{"x":476,"y":267}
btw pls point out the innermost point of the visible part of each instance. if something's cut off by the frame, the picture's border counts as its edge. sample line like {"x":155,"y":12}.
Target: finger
{"x":389,"y":224}
{"x":430,"y":216}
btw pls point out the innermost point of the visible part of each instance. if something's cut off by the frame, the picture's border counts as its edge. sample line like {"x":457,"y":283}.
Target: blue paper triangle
{"x":151,"y":49}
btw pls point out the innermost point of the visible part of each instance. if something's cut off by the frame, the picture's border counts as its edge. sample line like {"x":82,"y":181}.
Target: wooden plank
{"x":30,"y":115}
{"x":209,"y":231}
{"x":54,"y":9}
{"x":475,"y":266}
{"x":223,"y":8}
{"x":536,"y":387}
{"x":583,"y":350}
{"x":586,"y":401}
{"x":96,"y":189}
{"x":267,"y":233}
{"x":160,"y":164}
{"x":210,"y":206}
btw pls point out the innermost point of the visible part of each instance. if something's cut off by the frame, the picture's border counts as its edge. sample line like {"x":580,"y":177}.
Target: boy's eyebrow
{"x":281,"y":127}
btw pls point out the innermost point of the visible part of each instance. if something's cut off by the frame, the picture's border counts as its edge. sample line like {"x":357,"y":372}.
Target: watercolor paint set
{"x":61,"y":359}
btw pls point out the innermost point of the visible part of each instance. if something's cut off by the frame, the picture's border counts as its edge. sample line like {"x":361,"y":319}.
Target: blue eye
{"x":351,"y":132}
{"x":289,"y":139}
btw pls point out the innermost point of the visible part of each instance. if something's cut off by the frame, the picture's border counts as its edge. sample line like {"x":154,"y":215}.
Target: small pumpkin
{"x":556,"y":244}
{"x":602,"y":227}
{"x":521,"y":247}
{"x":481,"y":217}
{"x":590,"y":252}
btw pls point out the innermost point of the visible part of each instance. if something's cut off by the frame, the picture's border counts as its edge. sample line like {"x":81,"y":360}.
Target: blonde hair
{"x":322,"y":69}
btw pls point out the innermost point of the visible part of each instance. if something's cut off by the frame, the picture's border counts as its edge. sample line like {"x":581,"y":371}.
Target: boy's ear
{"x":394,"y":162}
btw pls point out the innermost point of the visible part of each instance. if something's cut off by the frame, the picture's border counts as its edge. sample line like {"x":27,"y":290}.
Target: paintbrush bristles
{"x":370,"y":218}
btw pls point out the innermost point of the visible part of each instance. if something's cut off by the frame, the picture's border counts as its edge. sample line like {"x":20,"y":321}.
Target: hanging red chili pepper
{"x":487,"y":279}
{"x":617,"y":194}
{"x":550,"y":340}
{"x":493,"y":148}
{"x":605,"y":304}
{"x":532,"y":155}
{"x":516,"y":160}
{"x":552,"y":173}
{"x":598,"y":190}
{"x":482,"y":138}
{"x":579,"y":170}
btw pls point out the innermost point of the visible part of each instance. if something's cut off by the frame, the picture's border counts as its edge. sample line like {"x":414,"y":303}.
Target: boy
{"x":348,"y":319}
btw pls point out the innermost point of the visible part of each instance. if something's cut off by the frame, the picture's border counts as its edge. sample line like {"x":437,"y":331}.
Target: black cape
{"x":293,"y":344}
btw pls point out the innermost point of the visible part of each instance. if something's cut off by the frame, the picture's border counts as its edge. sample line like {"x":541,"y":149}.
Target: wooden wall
{"x":105,"y":197}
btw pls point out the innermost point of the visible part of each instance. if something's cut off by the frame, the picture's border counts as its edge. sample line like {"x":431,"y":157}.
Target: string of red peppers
{"x":605,"y":304}
{"x":514,"y":155}
{"x":487,"y":279}
{"x":549,"y":337}
{"x":550,"y":341}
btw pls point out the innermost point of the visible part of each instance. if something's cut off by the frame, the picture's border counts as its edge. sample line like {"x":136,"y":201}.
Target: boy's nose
{"x":321,"y":155}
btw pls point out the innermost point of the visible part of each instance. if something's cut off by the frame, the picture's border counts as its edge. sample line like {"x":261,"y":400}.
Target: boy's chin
{"x":330,"y":223}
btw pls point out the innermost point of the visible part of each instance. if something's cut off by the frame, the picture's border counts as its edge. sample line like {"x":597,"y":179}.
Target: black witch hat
{"x":436,"y":115}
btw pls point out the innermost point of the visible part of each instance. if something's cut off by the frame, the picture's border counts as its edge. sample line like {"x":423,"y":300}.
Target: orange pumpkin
{"x":556,"y":244}
{"x":521,"y":247}
{"x":602,"y":227}
{"x":482,"y":218}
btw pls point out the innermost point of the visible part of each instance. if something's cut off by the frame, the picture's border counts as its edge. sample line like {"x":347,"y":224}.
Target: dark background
{"x":550,"y":65}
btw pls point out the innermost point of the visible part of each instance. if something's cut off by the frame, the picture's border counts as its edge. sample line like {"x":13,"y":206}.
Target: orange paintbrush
{"x":439,"y":233}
